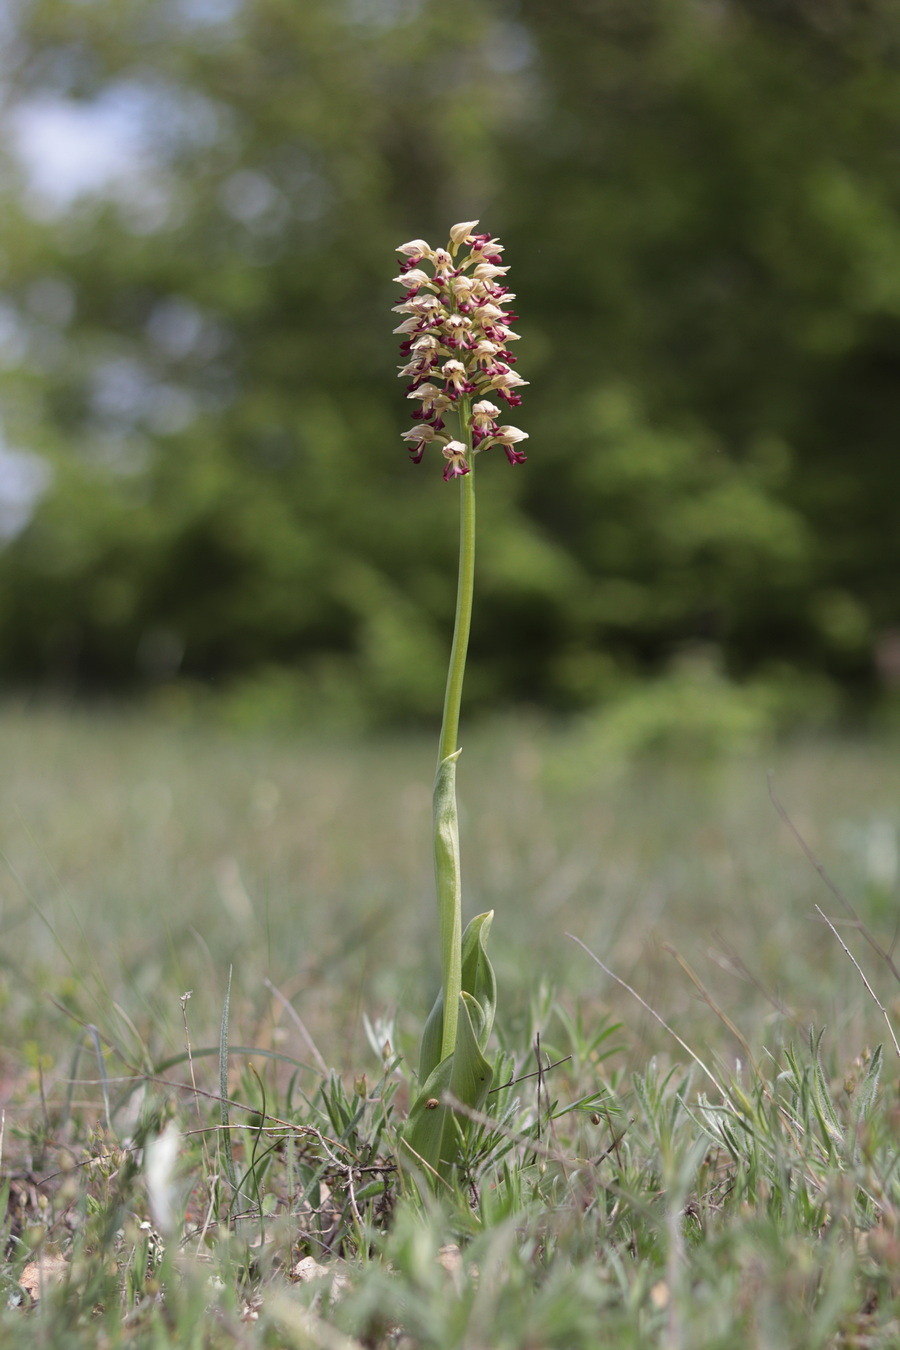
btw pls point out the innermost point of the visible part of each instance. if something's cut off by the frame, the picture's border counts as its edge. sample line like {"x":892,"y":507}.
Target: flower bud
{"x":416,"y":248}
{"x":459,"y":233}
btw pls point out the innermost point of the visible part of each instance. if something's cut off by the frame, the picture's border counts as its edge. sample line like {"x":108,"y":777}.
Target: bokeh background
{"x":203,"y":493}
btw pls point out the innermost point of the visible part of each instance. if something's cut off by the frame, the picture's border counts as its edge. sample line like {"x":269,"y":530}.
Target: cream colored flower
{"x":418,"y":438}
{"x":505,"y":378}
{"x":458,"y":233}
{"x":414,"y":277}
{"x":488,"y":271}
{"x":483,"y":414}
{"x":486,"y":314}
{"x":454,"y":453}
{"x":462,"y":287}
{"x":418,"y":304}
{"x":416,"y":248}
{"x":484,"y":351}
{"x":508,"y":437}
{"x":434,"y":400}
{"x":454,"y":372}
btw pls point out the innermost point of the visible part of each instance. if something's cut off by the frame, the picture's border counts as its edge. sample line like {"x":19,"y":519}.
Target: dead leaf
{"x":46,"y":1270}
{"x":308,"y":1268}
{"x":450,"y":1257}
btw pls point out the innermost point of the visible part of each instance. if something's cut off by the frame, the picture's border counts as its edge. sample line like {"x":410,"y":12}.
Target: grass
{"x":730,"y":1181}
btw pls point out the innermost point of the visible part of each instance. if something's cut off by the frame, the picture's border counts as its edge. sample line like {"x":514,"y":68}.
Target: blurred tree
{"x":230,"y":482}
{"x":699,"y":202}
{"x":724,"y":214}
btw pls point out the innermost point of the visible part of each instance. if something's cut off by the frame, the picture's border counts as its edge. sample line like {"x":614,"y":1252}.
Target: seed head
{"x":455,"y":337}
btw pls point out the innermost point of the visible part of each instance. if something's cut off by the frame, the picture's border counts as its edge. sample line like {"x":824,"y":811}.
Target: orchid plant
{"x":456,"y":332}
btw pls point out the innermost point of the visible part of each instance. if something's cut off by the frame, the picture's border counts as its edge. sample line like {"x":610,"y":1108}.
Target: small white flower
{"x":418,"y":437}
{"x":415,"y":277}
{"x":424,"y":433}
{"x":462,"y":287}
{"x":434,"y":400}
{"x":418,"y":304}
{"x":485,"y":314}
{"x":491,"y":246}
{"x":455,"y":330}
{"x":160,"y":1157}
{"x":454,"y":372}
{"x":454,"y":453}
{"x":487,"y":271}
{"x":483,"y":414}
{"x":416,"y":248}
{"x":509,"y":435}
{"x":421,"y":365}
{"x":408,"y":326}
{"x":484,"y":351}
{"x":506,"y":379}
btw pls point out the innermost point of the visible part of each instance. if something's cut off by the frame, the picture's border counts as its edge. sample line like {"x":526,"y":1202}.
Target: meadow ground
{"x":732,"y":1184}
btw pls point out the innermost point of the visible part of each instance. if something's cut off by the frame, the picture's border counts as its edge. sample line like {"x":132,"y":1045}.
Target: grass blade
{"x":104,"y":1082}
{"x":227,"y":1158}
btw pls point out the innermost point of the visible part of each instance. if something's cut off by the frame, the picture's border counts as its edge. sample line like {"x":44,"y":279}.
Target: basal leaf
{"x":432,"y":1036}
{"x":470,"y":1081}
{"x":434,"y":1132}
{"x":478,"y":979}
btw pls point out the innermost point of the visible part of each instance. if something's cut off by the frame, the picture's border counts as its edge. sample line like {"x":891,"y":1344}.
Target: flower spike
{"x":456,"y":331}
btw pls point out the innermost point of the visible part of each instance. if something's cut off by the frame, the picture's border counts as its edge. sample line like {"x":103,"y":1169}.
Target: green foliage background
{"x":700,"y":201}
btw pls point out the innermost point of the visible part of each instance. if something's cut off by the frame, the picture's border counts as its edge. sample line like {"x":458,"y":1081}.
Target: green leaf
{"x":869,"y":1087}
{"x":104,"y":1082}
{"x":432,"y":1037}
{"x":478,"y":979}
{"x":434,"y":1132}
{"x":422,"y":1141}
{"x":822,"y":1101}
{"x":472,"y":1075}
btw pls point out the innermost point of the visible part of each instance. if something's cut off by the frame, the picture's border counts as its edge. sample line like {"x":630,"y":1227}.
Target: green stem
{"x":446,"y":839}
{"x":464,"y":592}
